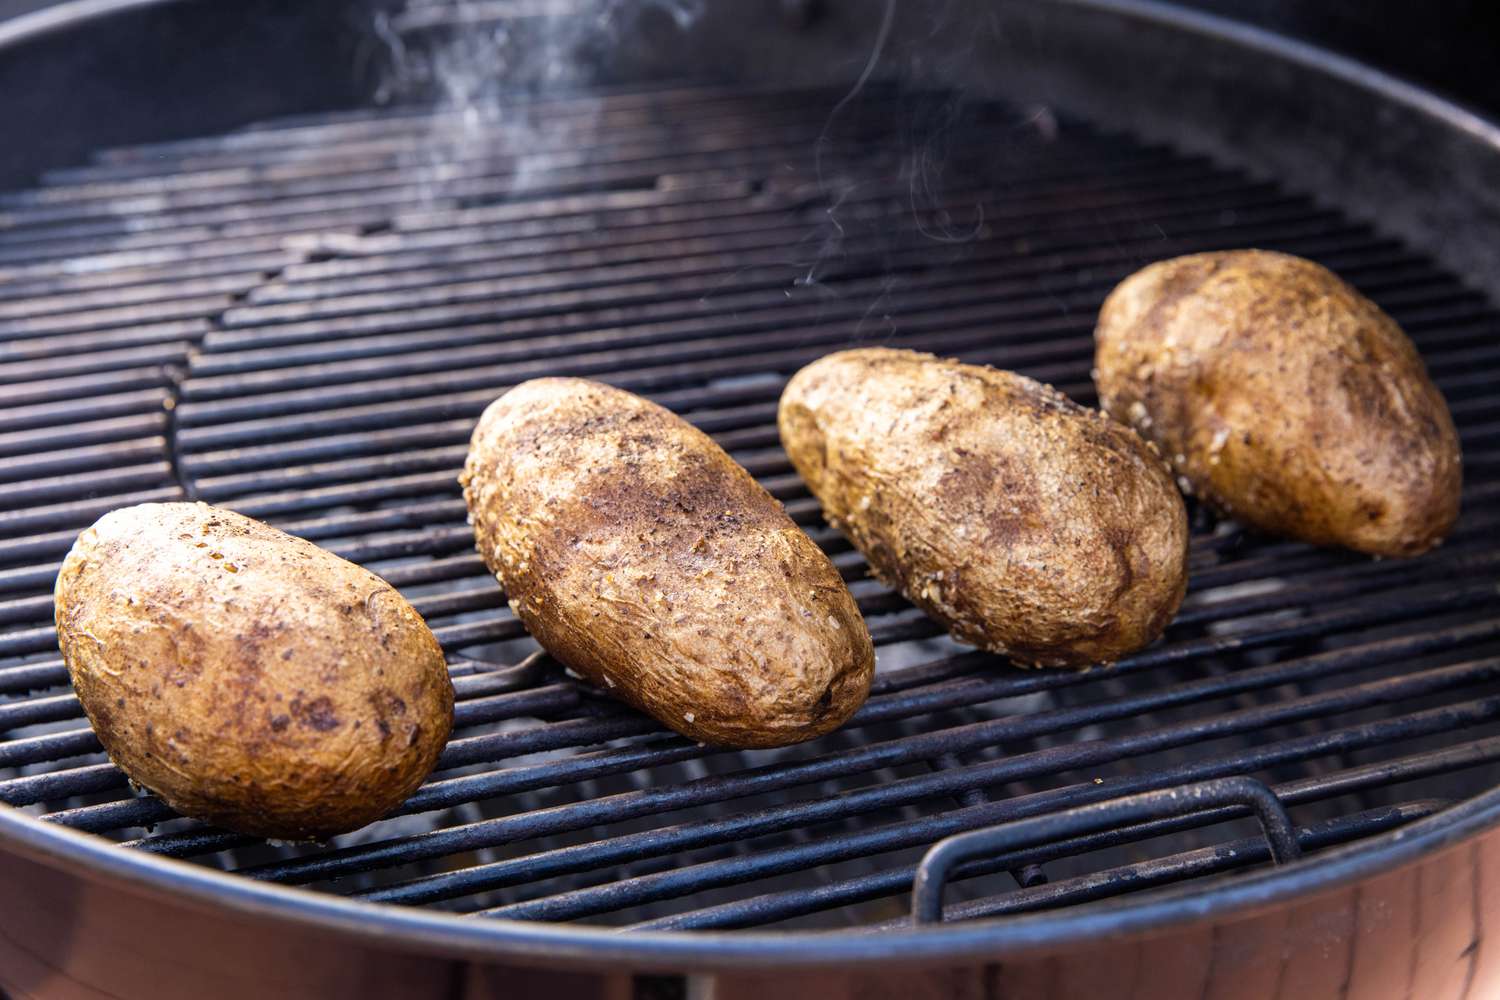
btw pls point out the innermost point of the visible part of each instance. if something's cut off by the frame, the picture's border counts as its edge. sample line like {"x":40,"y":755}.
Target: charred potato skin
{"x":1284,"y":398}
{"x":248,"y":677}
{"x":642,"y":556}
{"x":1026,"y":524}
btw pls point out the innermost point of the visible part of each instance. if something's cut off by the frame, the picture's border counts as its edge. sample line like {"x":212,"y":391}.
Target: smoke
{"x":930,"y":133}
{"x":489,"y":65}
{"x":492,"y":66}
{"x":473,"y":52}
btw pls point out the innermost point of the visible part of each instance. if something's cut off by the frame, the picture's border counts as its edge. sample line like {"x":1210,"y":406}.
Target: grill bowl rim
{"x":82,"y":855}
{"x":437,"y":933}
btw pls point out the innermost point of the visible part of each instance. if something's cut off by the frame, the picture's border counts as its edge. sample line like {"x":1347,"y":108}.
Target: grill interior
{"x":302,"y":319}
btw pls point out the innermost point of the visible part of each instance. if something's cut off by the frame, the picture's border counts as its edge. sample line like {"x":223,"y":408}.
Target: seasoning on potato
{"x":642,"y":556}
{"x":247,"y":677}
{"x":1284,"y":398}
{"x":1025,"y":523}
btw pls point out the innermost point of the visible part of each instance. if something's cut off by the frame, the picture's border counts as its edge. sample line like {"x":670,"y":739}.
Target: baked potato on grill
{"x":1284,"y":398}
{"x":247,"y":677}
{"x":642,"y":556}
{"x":1025,"y":523}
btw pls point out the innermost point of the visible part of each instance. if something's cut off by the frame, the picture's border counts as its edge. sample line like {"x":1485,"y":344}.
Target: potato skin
{"x":1026,"y":524}
{"x":641,"y":555}
{"x":1284,"y":398}
{"x":248,"y":677}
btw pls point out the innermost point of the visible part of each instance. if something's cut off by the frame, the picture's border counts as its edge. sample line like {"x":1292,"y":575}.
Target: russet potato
{"x":1026,"y":524}
{"x":247,"y":677}
{"x":1284,"y":398}
{"x":642,"y":556}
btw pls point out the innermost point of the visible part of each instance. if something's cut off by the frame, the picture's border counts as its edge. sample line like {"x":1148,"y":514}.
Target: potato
{"x":639,"y":554}
{"x":1026,"y":524}
{"x":247,"y":677}
{"x":1284,"y":398}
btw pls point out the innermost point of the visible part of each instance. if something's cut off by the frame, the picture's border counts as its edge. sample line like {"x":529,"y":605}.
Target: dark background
{"x":1452,"y":46}
{"x":68,"y":94}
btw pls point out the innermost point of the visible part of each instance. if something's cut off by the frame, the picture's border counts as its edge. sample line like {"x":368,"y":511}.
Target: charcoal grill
{"x":1292,"y":794}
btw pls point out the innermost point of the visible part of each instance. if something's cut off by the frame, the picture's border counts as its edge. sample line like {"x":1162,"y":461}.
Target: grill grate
{"x":301,"y":320}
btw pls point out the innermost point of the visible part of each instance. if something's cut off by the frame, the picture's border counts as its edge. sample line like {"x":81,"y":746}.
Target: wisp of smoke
{"x":487,"y":63}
